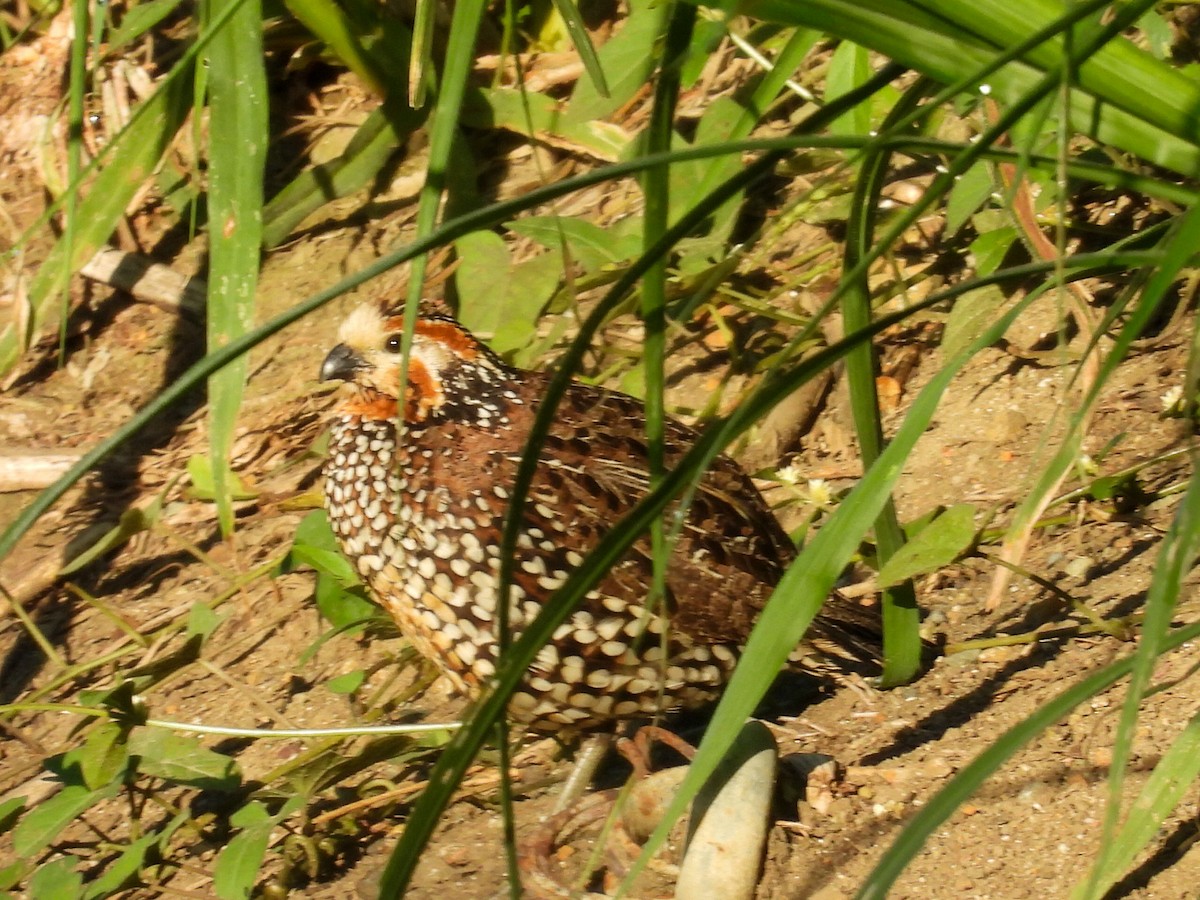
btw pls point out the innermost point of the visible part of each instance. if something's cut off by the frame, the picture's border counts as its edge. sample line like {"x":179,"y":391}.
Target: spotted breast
{"x":417,"y":488}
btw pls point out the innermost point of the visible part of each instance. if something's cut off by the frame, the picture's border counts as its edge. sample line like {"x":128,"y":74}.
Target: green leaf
{"x":531,"y":286}
{"x":989,"y":249}
{"x":629,"y":56}
{"x":202,"y":620}
{"x":1158,"y":34}
{"x":971,"y":191}
{"x":57,"y":880}
{"x":174,"y":757}
{"x":589,"y":245}
{"x":849,"y":68}
{"x":118,"y":873}
{"x":332,"y":26}
{"x":104,"y":756}
{"x":938,"y":544}
{"x":348,"y":683}
{"x":1170,"y":781}
{"x":132,"y":522}
{"x":343,"y":607}
{"x":238,"y":864}
{"x":314,"y":531}
{"x":42,"y":824}
{"x":583,"y":44}
{"x":10,"y":810}
{"x":972,"y":315}
{"x":375,"y":142}
{"x":203,"y":487}
{"x":138,"y":20}
{"x":330,"y":563}
{"x":13,"y":874}
{"x":483,"y":260}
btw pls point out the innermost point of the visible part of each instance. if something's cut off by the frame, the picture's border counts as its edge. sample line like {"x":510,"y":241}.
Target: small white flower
{"x":819,"y":492}
{"x":788,"y":474}
{"x":1171,"y":399}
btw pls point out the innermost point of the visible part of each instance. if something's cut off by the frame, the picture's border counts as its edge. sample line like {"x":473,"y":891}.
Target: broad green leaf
{"x":348,"y":683}
{"x":10,"y":809}
{"x":237,"y":866}
{"x":990,"y":248}
{"x":628,"y":57}
{"x":972,"y":315}
{"x":328,"y":562}
{"x":1158,"y":34}
{"x":971,"y":190}
{"x":938,"y":544}
{"x":42,"y":824}
{"x":849,"y":68}
{"x":104,"y":756}
{"x":13,"y":874}
{"x":203,"y":487}
{"x":183,"y":760}
{"x":589,"y":245}
{"x":531,"y":286}
{"x":58,"y":879}
{"x":343,"y":607}
{"x":483,"y":260}
{"x":118,"y":873}
{"x":202,"y":620}
{"x":314,"y":531}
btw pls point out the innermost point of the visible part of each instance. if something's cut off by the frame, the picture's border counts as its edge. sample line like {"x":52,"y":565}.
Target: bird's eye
{"x":393,"y":344}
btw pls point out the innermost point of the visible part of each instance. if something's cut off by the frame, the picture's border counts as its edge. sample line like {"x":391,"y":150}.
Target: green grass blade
{"x":656,"y":185}
{"x":583,"y":45}
{"x":460,"y":55}
{"x":372,"y":146}
{"x":237,"y":88}
{"x":420,"y":58}
{"x":943,"y":51}
{"x":901,"y":617}
{"x":331,"y":25}
{"x":75,"y":101}
{"x":1179,"y":547}
{"x":1172,"y":779}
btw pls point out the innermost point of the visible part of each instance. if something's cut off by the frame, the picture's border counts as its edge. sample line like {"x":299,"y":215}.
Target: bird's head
{"x":447,"y":365}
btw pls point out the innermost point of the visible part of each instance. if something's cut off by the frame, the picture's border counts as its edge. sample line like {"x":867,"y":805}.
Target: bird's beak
{"x":341,"y":363}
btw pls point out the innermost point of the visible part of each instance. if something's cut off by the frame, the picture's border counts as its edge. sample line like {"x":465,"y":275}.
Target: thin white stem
{"x":752,"y":53}
{"x":303,"y":732}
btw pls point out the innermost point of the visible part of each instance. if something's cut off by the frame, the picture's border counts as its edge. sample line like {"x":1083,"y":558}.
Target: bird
{"x":417,"y":487}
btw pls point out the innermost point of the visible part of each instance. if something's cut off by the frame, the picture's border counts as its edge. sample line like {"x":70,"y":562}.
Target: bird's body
{"x":417,"y":494}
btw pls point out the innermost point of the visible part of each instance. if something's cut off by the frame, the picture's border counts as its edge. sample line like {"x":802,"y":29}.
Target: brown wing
{"x":729,"y":551}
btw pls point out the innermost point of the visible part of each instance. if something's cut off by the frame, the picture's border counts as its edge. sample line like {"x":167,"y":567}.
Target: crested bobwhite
{"x":417,"y":494}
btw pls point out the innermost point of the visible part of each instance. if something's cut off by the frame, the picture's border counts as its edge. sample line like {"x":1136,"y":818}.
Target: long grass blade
{"x":901,"y":617}
{"x":237,"y":86}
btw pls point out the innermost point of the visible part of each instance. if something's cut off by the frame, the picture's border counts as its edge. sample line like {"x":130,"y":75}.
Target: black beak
{"x":341,"y":363}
